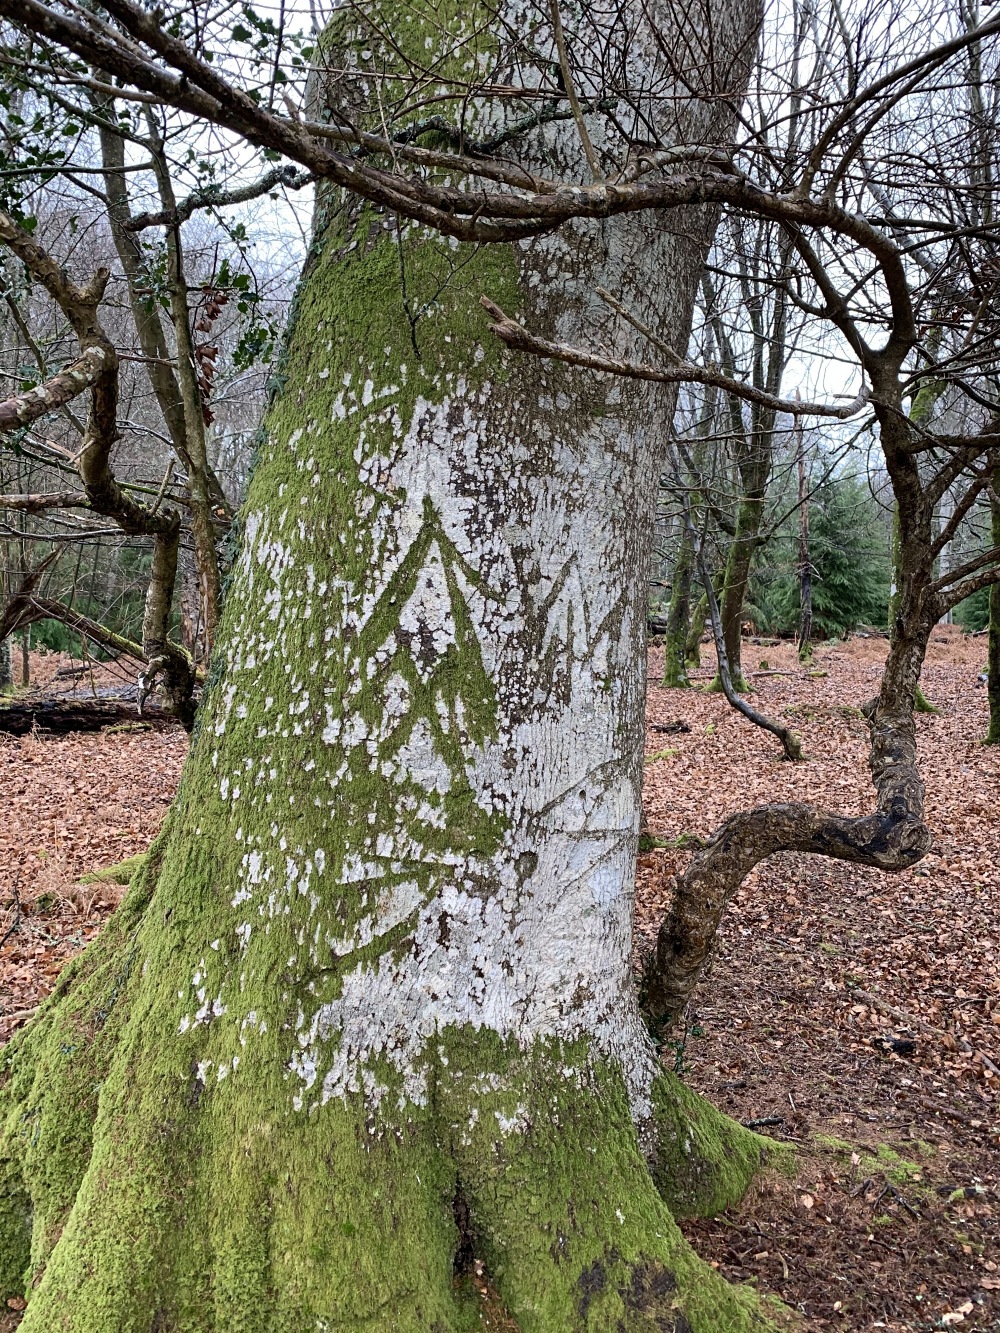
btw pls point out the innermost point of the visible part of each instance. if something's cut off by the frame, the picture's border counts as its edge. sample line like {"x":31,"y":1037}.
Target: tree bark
{"x":368,"y":1008}
{"x":993,"y":637}
{"x":805,"y":564}
{"x":6,"y":665}
{"x":754,"y":469}
{"x":675,"y":674}
{"x":60,"y":715}
{"x":699,"y":616}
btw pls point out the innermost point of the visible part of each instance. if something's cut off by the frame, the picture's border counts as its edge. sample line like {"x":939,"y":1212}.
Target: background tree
{"x":849,"y":564}
{"x":853,"y":273}
{"x":189,"y":319}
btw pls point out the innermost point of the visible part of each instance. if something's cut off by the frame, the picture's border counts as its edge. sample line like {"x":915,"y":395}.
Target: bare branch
{"x":574,"y":101}
{"x":62,"y":388}
{"x":213,"y":196}
{"x":680,"y":372}
{"x":37,"y":504}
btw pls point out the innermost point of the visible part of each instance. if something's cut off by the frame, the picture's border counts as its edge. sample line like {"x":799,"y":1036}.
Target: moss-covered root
{"x":50,"y":1076}
{"x":704,"y":1161}
{"x":123,"y":872}
{"x":921,"y":704}
{"x":565,"y":1214}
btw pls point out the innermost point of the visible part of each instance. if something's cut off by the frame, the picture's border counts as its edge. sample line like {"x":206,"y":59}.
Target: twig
{"x":890,"y":1189}
{"x":574,"y":101}
{"x":19,"y":1013}
{"x":17,"y":914}
{"x":931,"y":1105}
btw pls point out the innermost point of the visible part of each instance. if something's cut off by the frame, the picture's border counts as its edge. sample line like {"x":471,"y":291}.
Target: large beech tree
{"x":366,"y":1016}
{"x":367,"y":1013}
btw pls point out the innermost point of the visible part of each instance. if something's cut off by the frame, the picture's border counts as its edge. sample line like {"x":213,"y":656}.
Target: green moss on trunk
{"x":675,"y":653}
{"x":737,"y":577}
{"x":164,"y":1116}
{"x":249,"y":1108}
{"x":695,"y":631}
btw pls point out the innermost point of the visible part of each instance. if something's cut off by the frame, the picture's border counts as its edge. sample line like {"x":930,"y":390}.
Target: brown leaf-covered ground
{"x":892,"y":1220}
{"x":69,"y":805}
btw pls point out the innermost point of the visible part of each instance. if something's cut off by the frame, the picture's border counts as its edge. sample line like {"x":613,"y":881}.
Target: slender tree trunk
{"x":200,"y":473}
{"x":737,"y":577}
{"x":367,"y":1012}
{"x":6,"y":665}
{"x":696,"y":630}
{"x":805,"y":564}
{"x":25,"y":658}
{"x":173,"y":380}
{"x":993,"y":640}
{"x":921,"y":411}
{"x":678,"y":618}
{"x":191,"y":628}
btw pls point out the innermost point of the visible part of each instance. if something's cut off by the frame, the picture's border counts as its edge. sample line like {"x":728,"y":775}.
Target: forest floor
{"x":893,"y":1220}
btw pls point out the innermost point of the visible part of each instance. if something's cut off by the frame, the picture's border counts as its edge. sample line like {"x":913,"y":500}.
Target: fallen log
{"x":60,"y":715}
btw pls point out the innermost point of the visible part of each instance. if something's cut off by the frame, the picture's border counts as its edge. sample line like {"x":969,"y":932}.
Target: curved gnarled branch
{"x":892,"y":838}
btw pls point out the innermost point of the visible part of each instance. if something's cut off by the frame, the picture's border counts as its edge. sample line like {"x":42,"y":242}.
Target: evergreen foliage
{"x":974,"y":613}
{"x":850,"y":560}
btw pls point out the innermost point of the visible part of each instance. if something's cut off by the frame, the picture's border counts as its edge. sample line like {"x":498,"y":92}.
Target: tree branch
{"x":517,"y":337}
{"x":214,"y":196}
{"x":574,"y":101}
{"x":37,"y":504}
{"x":62,"y":388}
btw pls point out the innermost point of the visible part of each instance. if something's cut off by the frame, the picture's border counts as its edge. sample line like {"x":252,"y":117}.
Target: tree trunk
{"x":675,"y":643}
{"x":993,"y":639}
{"x":6,"y":665}
{"x":695,"y":631}
{"x":805,"y":564}
{"x":60,"y":715}
{"x":367,"y":1012}
{"x":734,"y":588}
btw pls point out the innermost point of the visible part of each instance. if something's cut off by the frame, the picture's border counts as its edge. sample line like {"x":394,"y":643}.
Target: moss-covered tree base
{"x":675,"y":671}
{"x":740,"y":684}
{"x":191,"y":1202}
